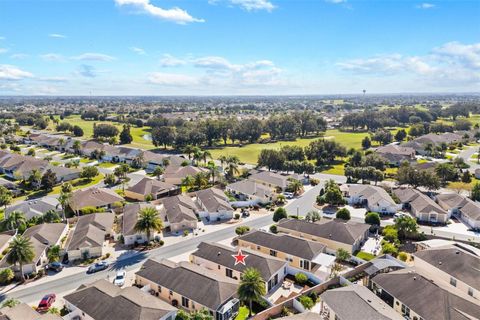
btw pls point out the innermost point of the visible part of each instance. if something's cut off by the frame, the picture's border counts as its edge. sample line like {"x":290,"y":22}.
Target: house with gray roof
{"x":421,"y":206}
{"x":23,"y":311}
{"x":249,"y":190}
{"x":374,"y":198}
{"x":102,"y":300}
{"x":396,"y":154}
{"x":94,"y":197}
{"x":190,"y":287}
{"x":152,"y":160}
{"x":35,"y":207}
{"x":272,"y":179}
{"x":463,"y":207}
{"x":176,"y":174}
{"x":151,"y":187}
{"x":130,"y":216}
{"x":453,"y":265}
{"x":219,"y":259}
{"x":416,"y":297}
{"x":42,"y":236}
{"x":299,"y":252}
{"x":335,"y":233}
{"x":361,"y":301}
{"x":89,"y":236}
{"x":213,"y":205}
{"x":180,"y":213}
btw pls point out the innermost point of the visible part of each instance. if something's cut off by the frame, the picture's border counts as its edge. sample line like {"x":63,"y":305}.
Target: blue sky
{"x":222,"y":47}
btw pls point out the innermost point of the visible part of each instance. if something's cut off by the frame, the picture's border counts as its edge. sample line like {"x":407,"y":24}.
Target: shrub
{"x":372,"y":218}
{"x":343,"y":214}
{"x":242,"y":230}
{"x":306,"y":302}
{"x":314,"y":181}
{"x":107,"y":255}
{"x":403,"y":256}
{"x":301,"y":278}
{"x":390,"y":233}
{"x":6,"y":276}
{"x":279,"y":214}
{"x":342,"y":254}
{"x":273,"y":228}
{"x":185,"y":233}
{"x":89,"y":210}
{"x":389,"y":248}
{"x":237,"y":216}
{"x":161,"y":242}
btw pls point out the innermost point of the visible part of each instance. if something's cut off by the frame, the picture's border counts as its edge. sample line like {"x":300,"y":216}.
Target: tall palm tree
{"x":232,"y":166}
{"x":294,"y":186}
{"x":223,"y":159}
{"x":158,"y":171}
{"x":148,"y":221}
{"x":64,"y":200}
{"x":188,"y":150}
{"x":21,"y":252}
{"x":188,"y":182}
{"x":213,"y":170}
{"x":15,"y":220}
{"x":76,"y":147}
{"x":197,"y":154}
{"x":252,"y":287}
{"x":200,"y":180}
{"x":206,"y":154}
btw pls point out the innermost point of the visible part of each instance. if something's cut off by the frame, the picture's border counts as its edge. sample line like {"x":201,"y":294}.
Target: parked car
{"x":120,"y":278}
{"x":99,"y":266}
{"x":245,"y":213}
{"x":55,"y":266}
{"x":288,"y":195}
{"x":46,"y":302}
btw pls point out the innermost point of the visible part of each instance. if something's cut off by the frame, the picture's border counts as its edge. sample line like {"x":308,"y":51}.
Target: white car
{"x":288,"y":195}
{"x":120,"y":278}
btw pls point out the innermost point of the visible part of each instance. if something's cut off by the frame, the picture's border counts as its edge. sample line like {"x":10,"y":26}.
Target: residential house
{"x":89,"y":237}
{"x":421,"y":206}
{"x":42,"y":236}
{"x":10,"y":186}
{"x":130,"y":217}
{"x":35,"y":208}
{"x":464,"y":208}
{"x":23,"y":311}
{"x":300,"y":253}
{"x":151,"y":187}
{"x":179,"y":212}
{"x":477,"y":173}
{"x":94,"y":197}
{"x":213,"y":205}
{"x":416,"y":297}
{"x":102,"y":300}
{"x":175,"y":175}
{"x":335,"y":233}
{"x":5,"y":238}
{"x":219,"y":259}
{"x":374,"y":198}
{"x":152,"y":160}
{"x":249,"y":190}
{"x":453,"y":265}
{"x":190,"y":287}
{"x":347,"y":303}
{"x":120,"y":154}
{"x":19,"y":167}
{"x":88,"y":147}
{"x":396,"y":154}
{"x":64,"y":174}
{"x":420,"y":143}
{"x":272,"y":179}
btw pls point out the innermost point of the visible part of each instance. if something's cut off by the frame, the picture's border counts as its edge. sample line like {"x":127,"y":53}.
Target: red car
{"x":46,"y":302}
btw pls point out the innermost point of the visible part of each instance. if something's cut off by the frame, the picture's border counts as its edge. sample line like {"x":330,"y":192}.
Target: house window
{"x":258,"y":247}
{"x":229,"y":273}
{"x":305,"y":264}
{"x":185,"y":302}
{"x":273,"y":253}
{"x":159,"y":289}
{"x":171,"y":292}
{"x":219,"y":267}
{"x":470,"y":292}
{"x":453,"y":281}
{"x":405,"y":310}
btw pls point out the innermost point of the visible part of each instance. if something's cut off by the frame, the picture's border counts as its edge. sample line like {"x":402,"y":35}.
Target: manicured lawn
{"x":106,"y":165}
{"x":337,"y":169}
{"x":242,"y":313}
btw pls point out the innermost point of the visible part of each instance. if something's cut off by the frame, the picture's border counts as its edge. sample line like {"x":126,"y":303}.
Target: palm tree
{"x":429,"y":149}
{"x":76,"y":147}
{"x":188,"y":150}
{"x":64,"y":200}
{"x":206,"y":154}
{"x":158,"y":171}
{"x":53,"y":253}
{"x":188,"y":182}
{"x":35,"y":178}
{"x":252,"y":287}
{"x":5,"y":197}
{"x":294,"y":186}
{"x":232,"y":166}
{"x":15,"y":220}
{"x":149,"y":221}
{"x":197,"y":154}
{"x":21,"y":252}
{"x":223,"y":159}
{"x":213,"y":170}
{"x":200,"y":180}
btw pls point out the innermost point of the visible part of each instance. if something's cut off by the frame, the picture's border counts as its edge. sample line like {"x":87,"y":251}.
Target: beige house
{"x":151,"y":187}
{"x":299,"y":252}
{"x":453,"y":265}
{"x":130,"y":217}
{"x":335,"y":233}
{"x":94,"y":197}
{"x":421,"y":206}
{"x":179,"y":212}
{"x":190,"y":287}
{"x":23,"y":311}
{"x":89,"y":237}
{"x":175,"y":174}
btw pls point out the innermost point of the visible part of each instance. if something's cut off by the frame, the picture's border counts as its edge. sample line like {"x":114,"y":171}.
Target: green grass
{"x":365,"y":256}
{"x":242,"y":313}
{"x":106,"y":165}
{"x":337,"y":169}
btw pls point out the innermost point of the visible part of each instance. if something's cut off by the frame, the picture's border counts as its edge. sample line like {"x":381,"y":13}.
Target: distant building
{"x":374,"y":198}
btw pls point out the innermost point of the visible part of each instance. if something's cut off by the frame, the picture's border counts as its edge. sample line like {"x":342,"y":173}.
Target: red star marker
{"x":240,"y":257}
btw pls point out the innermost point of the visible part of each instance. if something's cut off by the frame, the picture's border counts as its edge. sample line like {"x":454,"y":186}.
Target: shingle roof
{"x":222,"y":255}
{"x":412,"y":290}
{"x":93,"y":197}
{"x":294,"y":246}
{"x":455,"y":261}
{"x":23,"y":311}
{"x":465,"y":205}
{"x":418,"y":201}
{"x":148,"y":186}
{"x":272,"y":178}
{"x":372,"y":194}
{"x":90,"y":230}
{"x":36,"y":207}
{"x":181,"y":172}
{"x":130,"y":216}
{"x":252,"y":188}
{"x":5,"y":237}
{"x":337,"y":230}
{"x":361,"y":301}
{"x":213,"y":200}
{"x":102,"y":300}
{"x":179,"y":208}
{"x":395,"y":149}
{"x":195,"y":283}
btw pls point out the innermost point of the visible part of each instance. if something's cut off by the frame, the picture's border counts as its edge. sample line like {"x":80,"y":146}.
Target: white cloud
{"x":53,"y":79}
{"x":254,"y":5}
{"x":2,"y":38}
{"x":172,"y":79}
{"x":57,"y":35}
{"x":175,"y":14}
{"x":19,"y":56}
{"x":94,"y":57}
{"x":170,"y":61}
{"x":138,"y":50}
{"x":425,"y":5}
{"x":52,"y":57}
{"x":9,"y":72}
{"x":451,"y":64}
{"x":3,"y":50}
